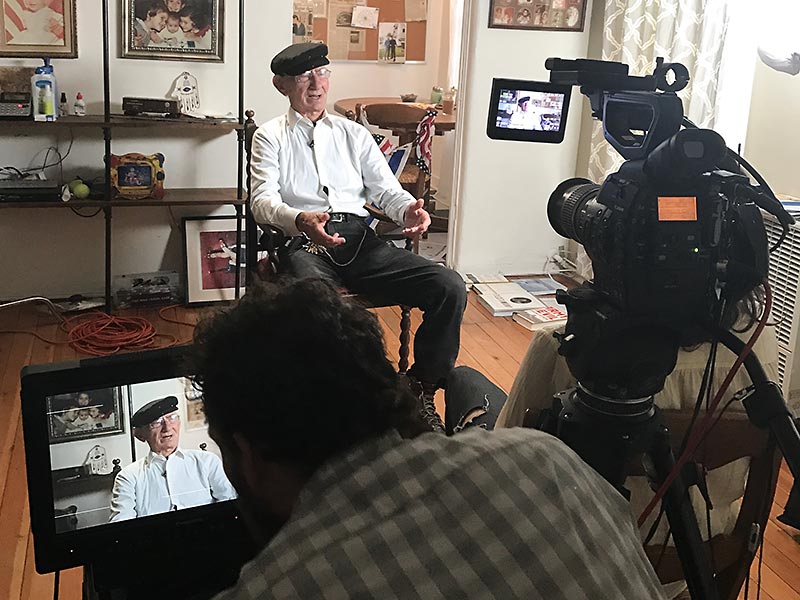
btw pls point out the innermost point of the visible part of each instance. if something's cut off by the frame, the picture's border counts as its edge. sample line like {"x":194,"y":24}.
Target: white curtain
{"x":691,"y":32}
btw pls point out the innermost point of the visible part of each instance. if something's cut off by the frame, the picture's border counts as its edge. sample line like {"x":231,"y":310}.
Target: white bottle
{"x":80,"y":106}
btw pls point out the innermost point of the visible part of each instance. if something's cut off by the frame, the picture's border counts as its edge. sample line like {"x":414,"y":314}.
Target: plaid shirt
{"x":507,"y":514}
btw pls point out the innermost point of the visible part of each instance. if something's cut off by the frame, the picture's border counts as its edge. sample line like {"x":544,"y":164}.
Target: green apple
{"x":73,"y":184}
{"x":81,"y":190}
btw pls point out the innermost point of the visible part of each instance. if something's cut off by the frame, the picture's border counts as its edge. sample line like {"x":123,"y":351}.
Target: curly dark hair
{"x":300,"y":372}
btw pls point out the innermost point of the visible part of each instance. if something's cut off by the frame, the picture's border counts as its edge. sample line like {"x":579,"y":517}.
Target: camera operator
{"x":326,"y":447}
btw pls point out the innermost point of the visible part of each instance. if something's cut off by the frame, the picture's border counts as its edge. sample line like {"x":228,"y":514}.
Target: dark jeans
{"x":385,"y":273}
{"x":471,"y":400}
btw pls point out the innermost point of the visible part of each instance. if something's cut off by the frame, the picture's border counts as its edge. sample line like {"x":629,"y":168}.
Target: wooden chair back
{"x":732,"y":438}
{"x":402,"y":120}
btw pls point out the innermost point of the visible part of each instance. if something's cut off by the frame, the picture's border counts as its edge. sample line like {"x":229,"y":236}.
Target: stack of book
{"x":504,"y":299}
{"x":540,"y":316}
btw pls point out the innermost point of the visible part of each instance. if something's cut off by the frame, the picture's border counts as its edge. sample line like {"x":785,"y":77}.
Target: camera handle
{"x":609,"y":442}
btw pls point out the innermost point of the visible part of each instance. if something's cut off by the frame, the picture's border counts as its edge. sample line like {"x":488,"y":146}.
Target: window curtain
{"x":691,"y":32}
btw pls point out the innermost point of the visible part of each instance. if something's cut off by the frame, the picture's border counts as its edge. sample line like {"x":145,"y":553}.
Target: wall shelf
{"x":173,"y":197}
{"x":121,"y":121}
{"x":107,"y":122}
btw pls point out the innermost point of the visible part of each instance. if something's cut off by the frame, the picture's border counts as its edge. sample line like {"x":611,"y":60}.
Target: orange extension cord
{"x":100,"y":334}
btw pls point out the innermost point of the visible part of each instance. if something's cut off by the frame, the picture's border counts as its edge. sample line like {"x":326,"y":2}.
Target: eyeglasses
{"x":321,"y":72}
{"x":159,"y":422}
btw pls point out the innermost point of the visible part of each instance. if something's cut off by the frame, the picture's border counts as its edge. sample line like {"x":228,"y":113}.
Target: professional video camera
{"x":677,"y":230}
{"x":676,"y":239}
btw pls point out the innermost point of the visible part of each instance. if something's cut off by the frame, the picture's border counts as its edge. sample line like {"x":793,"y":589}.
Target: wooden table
{"x":444,"y":122}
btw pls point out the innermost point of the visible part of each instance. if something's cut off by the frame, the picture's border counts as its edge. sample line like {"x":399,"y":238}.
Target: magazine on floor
{"x":538,"y":317}
{"x":504,"y":299}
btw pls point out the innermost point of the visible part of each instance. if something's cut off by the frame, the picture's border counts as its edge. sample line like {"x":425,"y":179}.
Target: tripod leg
{"x":791,"y":512}
{"x":693,"y":554}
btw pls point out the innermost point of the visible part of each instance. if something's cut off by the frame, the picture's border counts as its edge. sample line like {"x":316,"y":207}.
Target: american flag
{"x":13,"y":11}
{"x":384,"y":143}
{"x":425,"y":132}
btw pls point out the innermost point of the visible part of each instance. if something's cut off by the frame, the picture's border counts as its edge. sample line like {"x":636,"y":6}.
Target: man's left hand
{"x":416,"y":220}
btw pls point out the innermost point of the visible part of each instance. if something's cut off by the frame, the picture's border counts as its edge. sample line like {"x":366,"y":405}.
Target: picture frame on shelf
{"x":85,"y":415}
{"x":180,"y":30}
{"x":138,"y":176}
{"x":548,"y":15}
{"x":48,"y":32}
{"x":211,"y":258}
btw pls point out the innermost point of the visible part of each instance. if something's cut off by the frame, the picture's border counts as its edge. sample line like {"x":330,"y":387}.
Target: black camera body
{"x":677,"y":227}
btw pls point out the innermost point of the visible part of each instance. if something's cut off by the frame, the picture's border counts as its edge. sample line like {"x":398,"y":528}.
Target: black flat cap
{"x":299,"y":58}
{"x":152,"y":410}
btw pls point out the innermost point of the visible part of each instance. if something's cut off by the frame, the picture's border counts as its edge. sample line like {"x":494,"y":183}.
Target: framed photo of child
{"x":85,"y":414}
{"x":38,"y":29}
{"x":172,"y":30}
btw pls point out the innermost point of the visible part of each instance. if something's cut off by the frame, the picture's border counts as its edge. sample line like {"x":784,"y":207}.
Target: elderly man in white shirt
{"x":311,"y":175}
{"x":168,"y":478}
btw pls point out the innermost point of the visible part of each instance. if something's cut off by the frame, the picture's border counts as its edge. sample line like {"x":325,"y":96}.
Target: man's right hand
{"x":313,"y":225}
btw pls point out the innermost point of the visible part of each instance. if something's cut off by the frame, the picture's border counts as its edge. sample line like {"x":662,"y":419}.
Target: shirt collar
{"x":153,"y":457}
{"x":293,"y":118}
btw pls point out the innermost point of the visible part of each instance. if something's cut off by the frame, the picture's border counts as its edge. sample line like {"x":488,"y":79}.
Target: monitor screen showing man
{"x":108,"y":467}
{"x":527,"y":111}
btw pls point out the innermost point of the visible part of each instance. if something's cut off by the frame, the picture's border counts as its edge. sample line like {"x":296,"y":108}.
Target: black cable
{"x":704,"y":391}
{"x":83,"y":216}
{"x":56,"y":584}
{"x":654,"y":527}
{"x":61,"y":158}
{"x":20,"y":174}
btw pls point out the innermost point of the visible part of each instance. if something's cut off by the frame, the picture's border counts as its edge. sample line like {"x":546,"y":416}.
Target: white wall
{"x":55,"y":253}
{"x":501,"y":223}
{"x":773,"y":132}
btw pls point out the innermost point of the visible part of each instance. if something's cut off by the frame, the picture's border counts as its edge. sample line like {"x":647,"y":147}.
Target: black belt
{"x":340,"y":217}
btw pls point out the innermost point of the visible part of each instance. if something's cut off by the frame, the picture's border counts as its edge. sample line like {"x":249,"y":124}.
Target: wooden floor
{"x":494,"y":346}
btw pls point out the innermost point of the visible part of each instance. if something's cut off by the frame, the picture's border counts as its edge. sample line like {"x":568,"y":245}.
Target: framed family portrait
{"x":559,"y":15}
{"x":85,"y":415}
{"x":211,"y":258}
{"x":172,"y":29}
{"x":38,"y":29}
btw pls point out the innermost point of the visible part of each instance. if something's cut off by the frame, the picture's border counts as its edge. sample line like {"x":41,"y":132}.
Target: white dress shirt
{"x":333,"y":165}
{"x":157,"y":484}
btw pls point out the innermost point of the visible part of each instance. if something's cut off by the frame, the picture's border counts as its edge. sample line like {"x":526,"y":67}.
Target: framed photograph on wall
{"x":44,"y":28}
{"x":556,"y":15}
{"x":172,"y":30}
{"x":211,"y":258}
{"x":85,"y":415}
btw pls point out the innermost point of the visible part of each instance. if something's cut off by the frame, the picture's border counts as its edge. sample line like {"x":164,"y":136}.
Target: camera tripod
{"x":610,"y":416}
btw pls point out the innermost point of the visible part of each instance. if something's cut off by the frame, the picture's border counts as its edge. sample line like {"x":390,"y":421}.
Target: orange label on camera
{"x":677,"y":208}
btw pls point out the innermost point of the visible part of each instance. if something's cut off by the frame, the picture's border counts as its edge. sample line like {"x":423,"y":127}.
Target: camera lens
{"x":565,"y":206}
